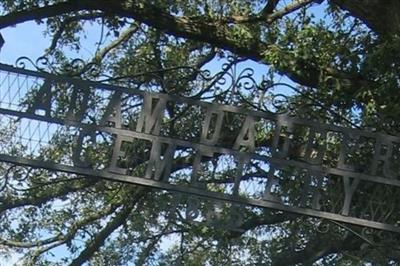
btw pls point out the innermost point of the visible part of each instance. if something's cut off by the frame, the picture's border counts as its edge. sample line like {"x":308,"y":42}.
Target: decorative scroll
{"x":211,"y":150}
{"x":77,"y":67}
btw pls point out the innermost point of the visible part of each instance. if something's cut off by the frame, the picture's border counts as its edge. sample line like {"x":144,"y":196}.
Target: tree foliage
{"x":342,"y":55}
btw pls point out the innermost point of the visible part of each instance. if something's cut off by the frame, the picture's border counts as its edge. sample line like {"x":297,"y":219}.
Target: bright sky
{"x":23,"y":40}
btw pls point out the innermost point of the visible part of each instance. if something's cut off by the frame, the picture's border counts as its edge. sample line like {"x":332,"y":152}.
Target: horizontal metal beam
{"x":278,"y":160}
{"x":200,"y":146}
{"x":192,"y":101}
{"x":195,"y":191}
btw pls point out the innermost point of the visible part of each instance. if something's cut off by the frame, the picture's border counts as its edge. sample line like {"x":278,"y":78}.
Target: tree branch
{"x":7,"y":203}
{"x":260,"y":220}
{"x":39,"y":13}
{"x":123,"y":37}
{"x":58,"y":34}
{"x":153,"y":240}
{"x":316,"y":250}
{"x":117,"y":221}
{"x":382,"y":17}
{"x":62,"y":237}
{"x":294,"y":6}
{"x":198,"y":29}
{"x":269,"y":7}
{"x":267,"y":15}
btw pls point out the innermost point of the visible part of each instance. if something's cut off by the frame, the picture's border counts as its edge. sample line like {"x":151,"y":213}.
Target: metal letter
{"x":311,"y":150}
{"x":242,"y":160}
{"x":113,"y":111}
{"x":160,"y":168}
{"x":117,"y":152}
{"x":387,"y":172}
{"x":194,"y":181}
{"x":271,"y":182}
{"x":206,"y":126}
{"x":308,"y":189}
{"x":150,"y":117}
{"x":75,"y":113}
{"x":42,"y":100}
{"x":344,"y":150}
{"x":277,"y":151}
{"x":76,"y":153}
{"x":349,"y":189}
{"x":246,"y":135}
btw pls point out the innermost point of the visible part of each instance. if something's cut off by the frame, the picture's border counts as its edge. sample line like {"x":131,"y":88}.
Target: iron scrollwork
{"x":75,"y":68}
{"x":231,"y":85}
{"x":139,"y":124}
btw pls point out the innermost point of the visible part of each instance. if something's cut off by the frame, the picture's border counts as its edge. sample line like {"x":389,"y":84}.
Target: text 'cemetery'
{"x":207,"y":149}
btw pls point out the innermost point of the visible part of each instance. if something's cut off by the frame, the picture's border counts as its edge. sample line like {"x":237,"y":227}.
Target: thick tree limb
{"x":10,"y":203}
{"x":295,"y":5}
{"x":14,"y":18}
{"x":123,"y":37}
{"x":269,"y":7}
{"x":316,"y":248}
{"x":64,"y":24}
{"x":381,"y":16}
{"x":199,"y":29}
{"x":267,"y":219}
{"x":19,"y":244}
{"x":153,"y":240}
{"x":117,"y":221}
{"x":61,"y":238}
{"x":267,"y":15}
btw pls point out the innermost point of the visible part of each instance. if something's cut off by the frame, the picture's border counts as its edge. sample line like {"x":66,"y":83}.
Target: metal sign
{"x":211,"y":150}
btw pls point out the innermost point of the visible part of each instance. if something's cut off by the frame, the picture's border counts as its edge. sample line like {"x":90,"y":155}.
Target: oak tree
{"x":340,"y":56}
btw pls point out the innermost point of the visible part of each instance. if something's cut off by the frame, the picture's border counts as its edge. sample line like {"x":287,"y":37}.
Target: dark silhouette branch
{"x":197,"y":29}
{"x":65,"y":189}
{"x":123,"y":37}
{"x":64,"y":24}
{"x":316,"y":248}
{"x":98,"y":241}
{"x":382,"y":17}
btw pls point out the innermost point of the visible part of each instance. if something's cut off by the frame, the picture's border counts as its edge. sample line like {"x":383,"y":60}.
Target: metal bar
{"x":205,"y":146}
{"x":213,"y":149}
{"x":197,"y":192}
{"x":190,"y":101}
